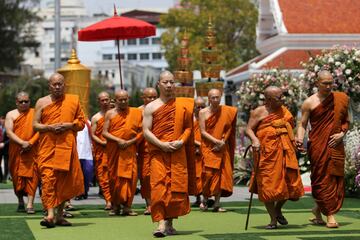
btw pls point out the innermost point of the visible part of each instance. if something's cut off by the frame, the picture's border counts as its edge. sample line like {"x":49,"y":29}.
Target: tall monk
{"x":123,"y":130}
{"x":276,"y":177}
{"x":149,"y":95}
{"x":99,"y":143}
{"x":22,"y":151}
{"x":167,"y":127}
{"x":199,"y":104}
{"x":58,"y":117}
{"x":218,"y":127}
{"x":327,"y":112}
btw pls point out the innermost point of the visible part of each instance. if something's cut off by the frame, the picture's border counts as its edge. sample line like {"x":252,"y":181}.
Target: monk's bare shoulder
{"x":205,"y":113}
{"x":43,"y":102}
{"x":142,"y":107}
{"x":96,"y":117}
{"x":259,"y":112}
{"x":12,"y":115}
{"x":310,"y":103}
{"x":111,"y":113}
{"x":153,"y":106}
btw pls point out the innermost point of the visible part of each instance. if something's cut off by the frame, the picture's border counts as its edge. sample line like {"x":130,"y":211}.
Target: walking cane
{"x":256,"y":164}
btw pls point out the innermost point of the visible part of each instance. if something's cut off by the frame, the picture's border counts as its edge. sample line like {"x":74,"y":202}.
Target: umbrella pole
{"x":118,"y":48}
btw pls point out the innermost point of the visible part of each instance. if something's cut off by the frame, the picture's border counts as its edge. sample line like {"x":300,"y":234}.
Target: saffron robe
{"x":144,"y":169}
{"x":217,"y":176}
{"x":101,"y":165}
{"x":327,"y":164}
{"x":122,"y":162}
{"x":58,"y":161}
{"x":277,"y":172}
{"x":198,"y":159}
{"x":169,"y":172}
{"x":22,"y":165}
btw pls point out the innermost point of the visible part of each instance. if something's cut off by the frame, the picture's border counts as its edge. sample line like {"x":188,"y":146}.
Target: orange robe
{"x":198,"y":159}
{"x":327,"y":164}
{"x":217,"y":176}
{"x":23,"y":166}
{"x":144,"y":169}
{"x":101,"y":165}
{"x":58,"y":160}
{"x":169,"y":172}
{"x":277,"y":171}
{"x":122,"y":162}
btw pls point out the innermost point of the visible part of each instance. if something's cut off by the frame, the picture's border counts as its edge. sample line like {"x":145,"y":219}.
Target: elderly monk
{"x":99,"y":143}
{"x":167,"y":127}
{"x":328,"y":115}
{"x":58,"y":117}
{"x":123,"y":130}
{"x":149,"y":95}
{"x":217,"y":126}
{"x":22,"y":151}
{"x":199,"y":104}
{"x":276,"y":177}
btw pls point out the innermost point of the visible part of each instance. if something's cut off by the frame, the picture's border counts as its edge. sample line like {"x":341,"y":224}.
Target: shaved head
{"x":199,"y":104}
{"x":122,"y":99}
{"x":103,"y":94}
{"x":149,"y":95}
{"x":272,"y":91}
{"x":121,"y":93}
{"x":199,"y":101}
{"x":22,"y":94}
{"x":324,"y":74}
{"x":214,"y":96}
{"x":165,"y":74}
{"x":56,"y":76}
{"x":56,"y":85}
{"x":214,"y":91}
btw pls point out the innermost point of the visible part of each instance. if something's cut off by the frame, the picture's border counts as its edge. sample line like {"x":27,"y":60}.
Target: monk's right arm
{"x":39,"y":127}
{"x":300,"y":134}
{"x":147,"y":126}
{"x":9,"y":126}
{"x":105,"y":132}
{"x":251,"y":126}
{"x":203,"y":131}
{"x":93,"y":130}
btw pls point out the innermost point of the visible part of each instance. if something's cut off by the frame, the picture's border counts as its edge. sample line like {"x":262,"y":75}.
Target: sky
{"x":94,"y":6}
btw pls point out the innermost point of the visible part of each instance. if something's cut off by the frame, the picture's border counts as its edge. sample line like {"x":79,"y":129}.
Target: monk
{"x":167,"y":127}
{"x":276,"y":177}
{"x":58,"y":117}
{"x":22,"y":151}
{"x":123,"y":130}
{"x":217,"y":126}
{"x":99,"y":143}
{"x":149,"y":95}
{"x":199,"y":104}
{"x":327,"y":112}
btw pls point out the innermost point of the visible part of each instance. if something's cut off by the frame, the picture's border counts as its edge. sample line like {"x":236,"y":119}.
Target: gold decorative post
{"x":77,"y":80}
{"x":183,"y":75}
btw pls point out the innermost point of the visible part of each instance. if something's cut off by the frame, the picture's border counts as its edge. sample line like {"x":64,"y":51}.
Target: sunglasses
{"x":24,"y":101}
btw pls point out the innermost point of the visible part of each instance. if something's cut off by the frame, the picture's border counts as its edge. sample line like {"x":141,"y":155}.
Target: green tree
{"x":17,"y":20}
{"x":234,"y":22}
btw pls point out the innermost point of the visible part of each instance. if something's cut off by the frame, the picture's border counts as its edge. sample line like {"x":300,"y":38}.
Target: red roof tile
{"x":321,"y":16}
{"x":291,"y":59}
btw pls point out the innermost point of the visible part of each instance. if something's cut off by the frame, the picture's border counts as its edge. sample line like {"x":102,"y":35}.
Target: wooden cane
{"x":256,"y":163}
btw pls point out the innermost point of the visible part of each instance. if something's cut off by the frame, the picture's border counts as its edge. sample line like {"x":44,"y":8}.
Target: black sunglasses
{"x":24,"y":101}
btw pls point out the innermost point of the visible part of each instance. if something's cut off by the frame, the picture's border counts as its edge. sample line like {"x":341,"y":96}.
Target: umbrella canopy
{"x":116,"y":28}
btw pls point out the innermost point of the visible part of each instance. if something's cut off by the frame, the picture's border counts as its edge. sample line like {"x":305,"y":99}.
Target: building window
{"x":107,"y":56}
{"x":155,"y":40}
{"x":132,"y":56}
{"x":144,"y":41}
{"x":122,"y":56}
{"x":156,"y":56}
{"x":131,"y":41}
{"x":144,"y":56}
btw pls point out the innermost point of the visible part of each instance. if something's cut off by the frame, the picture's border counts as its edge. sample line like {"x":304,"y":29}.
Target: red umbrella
{"x":117,"y":28}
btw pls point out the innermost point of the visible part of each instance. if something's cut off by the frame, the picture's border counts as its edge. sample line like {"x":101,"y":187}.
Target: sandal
{"x":30,"y":211}
{"x":282,"y":220}
{"x":271,"y":226}
{"x":114,"y":213}
{"x":63,"y":223}
{"x":332,"y":225}
{"x":159,"y":233}
{"x":129,"y":213}
{"x":171,"y":231}
{"x":317,"y":221}
{"x":219,"y":209}
{"x":67,"y":215}
{"x":46,"y":223}
{"x":147,"y":212}
{"x":203,"y":207}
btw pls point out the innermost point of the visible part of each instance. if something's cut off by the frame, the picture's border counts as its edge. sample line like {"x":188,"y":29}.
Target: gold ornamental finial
{"x":73,"y":58}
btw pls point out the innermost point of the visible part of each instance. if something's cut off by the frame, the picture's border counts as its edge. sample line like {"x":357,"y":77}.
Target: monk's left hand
{"x":335,"y":139}
{"x":177,"y":144}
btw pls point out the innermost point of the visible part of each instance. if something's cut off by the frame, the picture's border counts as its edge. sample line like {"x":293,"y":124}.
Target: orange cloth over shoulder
{"x":122,"y":162}
{"x":277,"y":172}
{"x":218,"y":173}
{"x":327,"y":164}
{"x":58,"y":160}
{"x":101,"y":165}
{"x":22,"y":165}
{"x":170,"y":172}
{"x":198,"y":159}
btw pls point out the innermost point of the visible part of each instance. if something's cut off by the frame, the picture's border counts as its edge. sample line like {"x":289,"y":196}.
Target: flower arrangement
{"x":251,"y":93}
{"x":352,"y":160}
{"x":344,"y":64}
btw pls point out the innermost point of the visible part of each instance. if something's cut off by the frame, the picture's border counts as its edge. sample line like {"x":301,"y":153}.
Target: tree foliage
{"x":17,"y":21}
{"x":234,"y":22}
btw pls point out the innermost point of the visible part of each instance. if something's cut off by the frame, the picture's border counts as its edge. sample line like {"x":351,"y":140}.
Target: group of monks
{"x":177,"y":147}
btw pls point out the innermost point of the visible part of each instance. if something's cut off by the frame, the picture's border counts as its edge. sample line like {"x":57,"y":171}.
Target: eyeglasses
{"x":24,"y":101}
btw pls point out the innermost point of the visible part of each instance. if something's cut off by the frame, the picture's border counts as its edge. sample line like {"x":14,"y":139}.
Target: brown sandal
{"x":317,"y":221}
